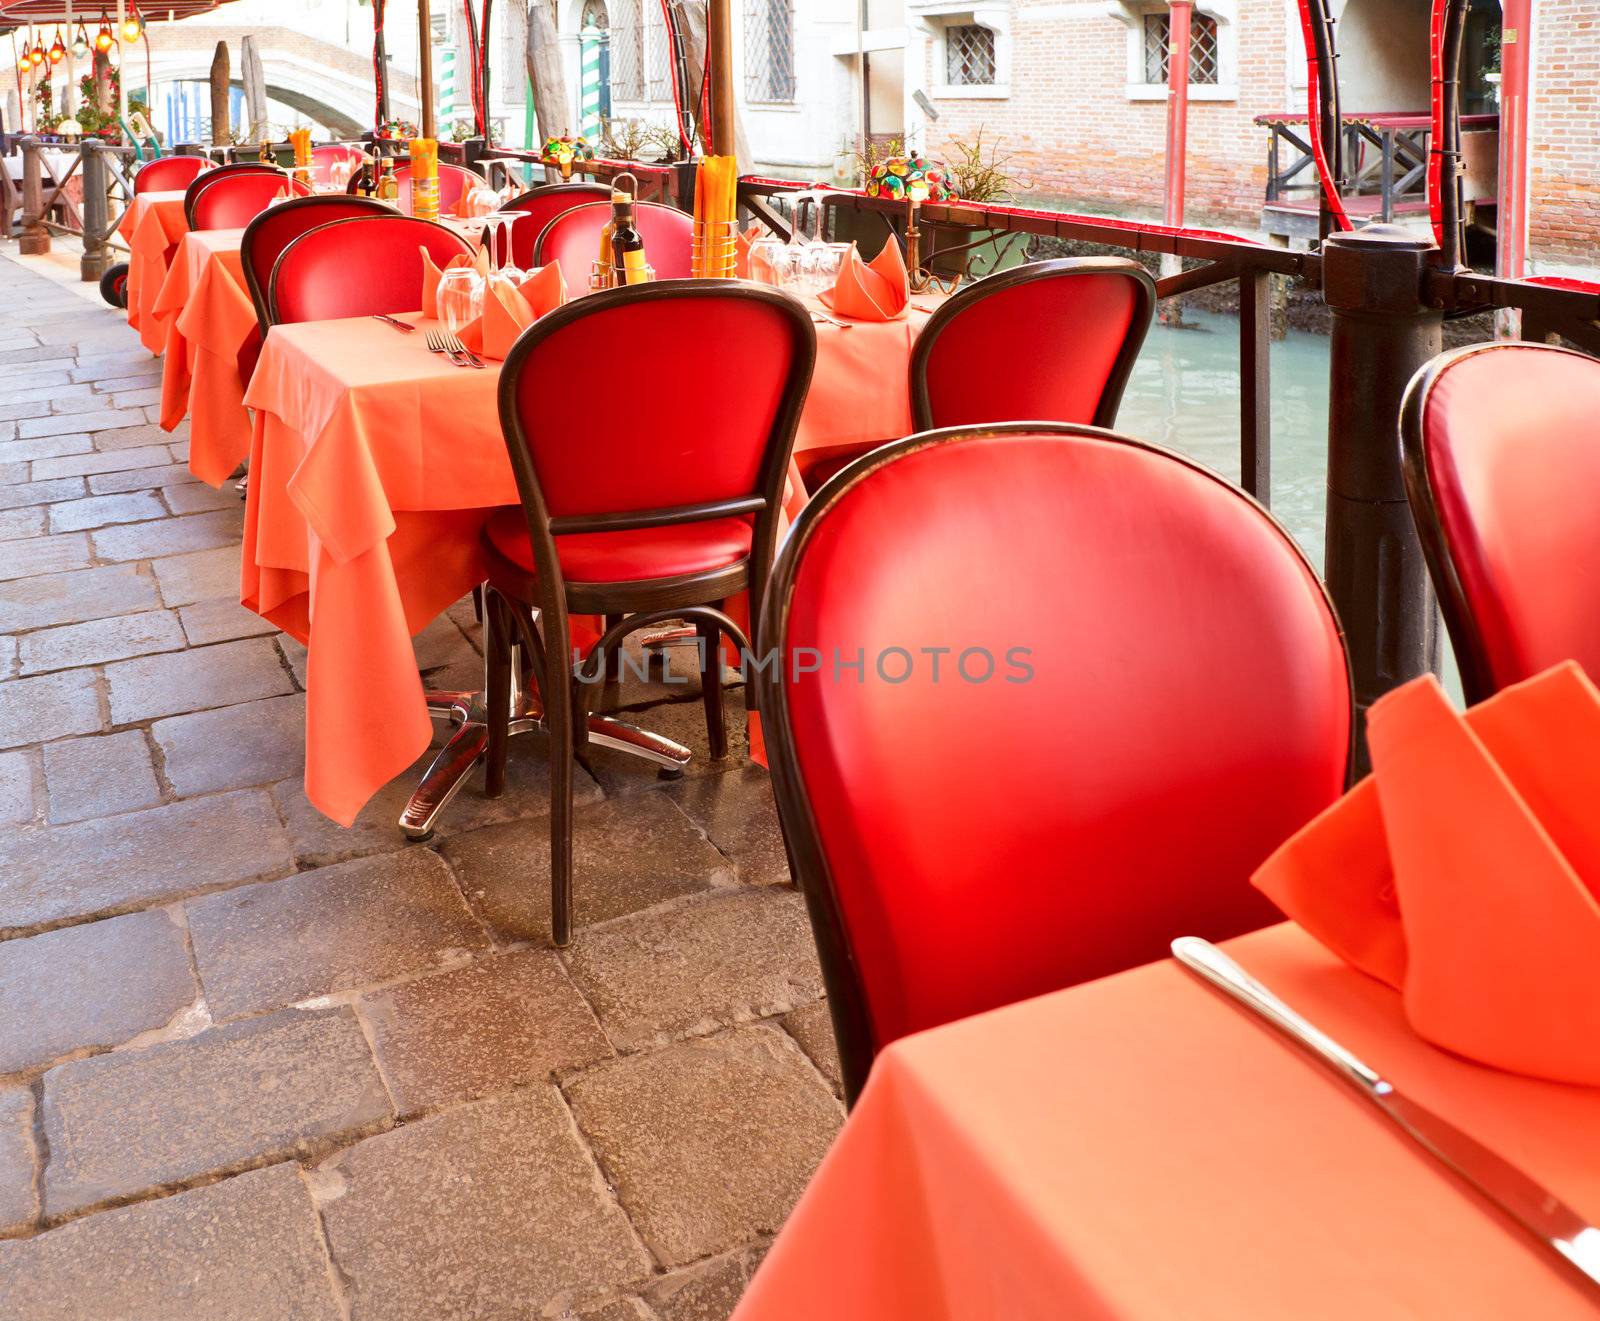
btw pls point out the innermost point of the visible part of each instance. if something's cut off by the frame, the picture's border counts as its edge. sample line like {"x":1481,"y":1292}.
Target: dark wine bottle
{"x":627,"y":246}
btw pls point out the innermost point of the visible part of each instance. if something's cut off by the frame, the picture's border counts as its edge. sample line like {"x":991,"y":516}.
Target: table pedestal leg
{"x":469,"y":713}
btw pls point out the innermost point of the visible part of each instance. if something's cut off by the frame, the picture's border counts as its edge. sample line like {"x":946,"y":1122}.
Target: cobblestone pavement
{"x":255,"y":1066}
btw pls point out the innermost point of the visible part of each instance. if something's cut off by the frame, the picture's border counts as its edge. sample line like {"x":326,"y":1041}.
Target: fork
{"x":453,"y":343}
{"x":438,"y":343}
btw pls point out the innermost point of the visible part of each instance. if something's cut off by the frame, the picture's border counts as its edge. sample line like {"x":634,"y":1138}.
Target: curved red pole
{"x":1445,"y":192}
{"x":1320,"y":70}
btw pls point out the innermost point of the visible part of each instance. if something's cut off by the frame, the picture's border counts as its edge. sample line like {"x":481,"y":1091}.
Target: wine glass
{"x":460,"y":298}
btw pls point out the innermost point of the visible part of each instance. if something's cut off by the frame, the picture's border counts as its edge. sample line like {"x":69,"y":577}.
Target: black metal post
{"x":1382,"y":333}
{"x":1255,"y":384}
{"x":96,"y":226}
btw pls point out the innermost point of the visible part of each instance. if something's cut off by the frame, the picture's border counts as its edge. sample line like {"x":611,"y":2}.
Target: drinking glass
{"x":460,"y":298}
{"x":819,"y":266}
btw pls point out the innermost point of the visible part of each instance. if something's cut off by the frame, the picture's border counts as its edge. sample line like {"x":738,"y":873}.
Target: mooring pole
{"x":1382,"y":333}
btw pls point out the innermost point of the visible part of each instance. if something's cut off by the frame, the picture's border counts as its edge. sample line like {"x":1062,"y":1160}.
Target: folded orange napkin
{"x":1465,"y":871}
{"x":871,"y":291}
{"x":741,"y":249}
{"x":431,"y":272}
{"x":510,"y":307}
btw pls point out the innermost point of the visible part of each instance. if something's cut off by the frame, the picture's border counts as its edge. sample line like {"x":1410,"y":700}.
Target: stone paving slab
{"x":19,"y":494}
{"x":82,"y":465}
{"x":101,"y":640}
{"x":198,"y":498}
{"x":101,"y":510}
{"x":179,"y":681}
{"x":724,"y":958}
{"x":19,"y":1200}
{"x":169,"y":536}
{"x":166,"y":473}
{"x":90,"y":987}
{"x":497,"y":1024}
{"x":626,"y":856}
{"x":100,"y":867}
{"x":740,"y":816}
{"x":44,"y":447}
{"x":246,"y":1249}
{"x":221,"y":621}
{"x":491,"y":1211}
{"x":17,"y":798}
{"x":812,"y":1027}
{"x":28,"y":559}
{"x":247,"y":1094}
{"x":100,"y":776}
{"x":709,"y":1143}
{"x":206,"y":575}
{"x":73,"y":598}
{"x":706,"y":1291}
{"x":48,"y":706}
{"x":19,"y":523}
{"x":335,"y":929}
{"x":233,"y":747}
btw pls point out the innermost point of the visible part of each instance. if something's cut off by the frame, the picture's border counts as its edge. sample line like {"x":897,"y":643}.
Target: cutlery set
{"x":451,"y":347}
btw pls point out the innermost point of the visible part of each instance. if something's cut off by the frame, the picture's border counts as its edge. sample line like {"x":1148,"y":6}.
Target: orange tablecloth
{"x":208,"y":316}
{"x":1140,"y":1147}
{"x":373,"y":465}
{"x":150,"y":226}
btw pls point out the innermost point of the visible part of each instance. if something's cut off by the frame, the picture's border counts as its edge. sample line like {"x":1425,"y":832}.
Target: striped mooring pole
{"x":589,"y":83}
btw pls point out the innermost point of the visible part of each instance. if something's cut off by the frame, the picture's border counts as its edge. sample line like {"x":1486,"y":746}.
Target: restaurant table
{"x":373,"y":467}
{"x":154,"y":223}
{"x":1140,"y":1146}
{"x":208,"y":316}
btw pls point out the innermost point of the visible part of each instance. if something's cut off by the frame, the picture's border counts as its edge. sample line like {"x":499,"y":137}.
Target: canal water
{"x":1184,"y":394}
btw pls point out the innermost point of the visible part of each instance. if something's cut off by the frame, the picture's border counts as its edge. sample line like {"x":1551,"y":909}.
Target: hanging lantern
{"x":58,"y":49}
{"x":104,"y":39}
{"x":80,"y":42}
{"x":133,"y":24}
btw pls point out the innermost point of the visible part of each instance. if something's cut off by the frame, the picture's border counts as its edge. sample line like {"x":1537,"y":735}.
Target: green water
{"x":1185,"y":394}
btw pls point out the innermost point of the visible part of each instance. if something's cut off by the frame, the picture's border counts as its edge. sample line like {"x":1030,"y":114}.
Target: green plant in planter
{"x":979,"y":172}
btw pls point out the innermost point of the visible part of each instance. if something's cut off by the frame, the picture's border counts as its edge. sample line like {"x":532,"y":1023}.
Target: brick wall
{"x":1564,"y":185}
{"x":1080,"y":139}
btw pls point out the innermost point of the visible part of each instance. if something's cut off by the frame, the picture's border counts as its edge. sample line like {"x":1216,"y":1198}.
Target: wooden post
{"x":425,"y":66}
{"x":719,"y":69}
{"x":35,"y":241}
{"x":221,"y":130}
{"x":546,"y":76}
{"x":254,"y":78}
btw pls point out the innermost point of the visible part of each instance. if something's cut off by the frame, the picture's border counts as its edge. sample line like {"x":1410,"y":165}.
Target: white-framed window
{"x":971,"y":48}
{"x":769,"y":63}
{"x":1213,"y":49}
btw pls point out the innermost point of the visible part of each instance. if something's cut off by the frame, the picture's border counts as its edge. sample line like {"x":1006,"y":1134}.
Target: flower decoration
{"x":902,"y":177}
{"x":572,"y":149}
{"x":398,"y":130}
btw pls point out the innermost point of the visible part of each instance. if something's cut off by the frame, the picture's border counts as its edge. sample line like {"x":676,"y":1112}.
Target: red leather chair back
{"x":325,"y":157}
{"x":542,"y":205}
{"x":1050,"y":341}
{"x":1141,"y":691}
{"x":572,"y":241}
{"x":453,"y":181}
{"x":588,"y":466}
{"x":234,"y":201}
{"x":167,"y":174}
{"x":276,"y":228}
{"x":357,"y":267}
{"x":1502,"y":454}
{"x":206,"y":179}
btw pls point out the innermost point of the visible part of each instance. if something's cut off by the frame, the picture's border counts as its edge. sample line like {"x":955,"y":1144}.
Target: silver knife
{"x":394,"y":321}
{"x":1537,"y":1209}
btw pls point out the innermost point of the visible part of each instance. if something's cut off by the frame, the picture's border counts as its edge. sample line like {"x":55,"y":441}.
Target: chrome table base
{"x":466,"y":748}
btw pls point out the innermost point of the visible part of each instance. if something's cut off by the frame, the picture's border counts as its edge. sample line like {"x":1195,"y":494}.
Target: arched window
{"x":769,"y":50}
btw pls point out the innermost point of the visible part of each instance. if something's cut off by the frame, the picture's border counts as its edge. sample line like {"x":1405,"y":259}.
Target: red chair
{"x":454,"y":180}
{"x":167,"y":174}
{"x":269,"y":234}
{"x":1052,"y":341}
{"x":636,"y":522}
{"x":1142,"y":690}
{"x":327,"y":156}
{"x":1501,"y":456}
{"x":572,"y":241}
{"x":542,"y":205}
{"x":233,"y":201}
{"x":357,"y":267}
